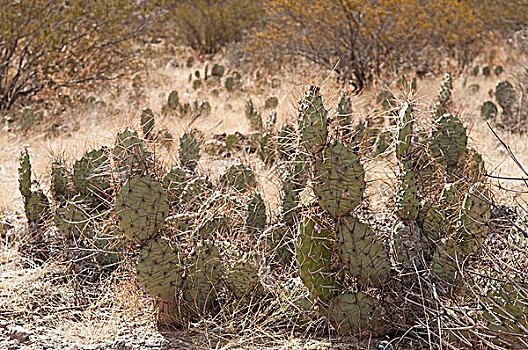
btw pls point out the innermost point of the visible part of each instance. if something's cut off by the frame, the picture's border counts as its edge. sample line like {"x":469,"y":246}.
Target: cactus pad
{"x":189,"y":149}
{"x":362,"y":251}
{"x":255,"y":214}
{"x":72,"y":220}
{"x":313,"y":123}
{"x":404,"y":138}
{"x":314,"y":259}
{"x":242,"y":279}
{"x":240,"y":177}
{"x":406,"y":193}
{"x":448,"y":141}
{"x":141,"y":207}
{"x":339,"y":180}
{"x":352,"y":313}
{"x":159,"y":269}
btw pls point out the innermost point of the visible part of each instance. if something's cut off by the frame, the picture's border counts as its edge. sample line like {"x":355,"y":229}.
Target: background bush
{"x":47,"y":44}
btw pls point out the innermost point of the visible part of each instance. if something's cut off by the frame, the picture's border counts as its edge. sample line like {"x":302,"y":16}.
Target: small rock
{"x":73,"y":347}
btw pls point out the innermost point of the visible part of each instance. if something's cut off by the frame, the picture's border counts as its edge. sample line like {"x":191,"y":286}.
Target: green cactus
{"x":506,"y":97}
{"x":174,"y":181}
{"x":195,"y":192}
{"x":255,"y":215}
{"x":444,"y":97}
{"x":287,"y":142}
{"x":267,"y":148}
{"x":344,"y":110}
{"x":486,"y":71}
{"x":314,"y":259}
{"x":383,"y":142}
{"x":60,"y":181}
{"x":474,"y":218}
{"x":505,"y":311}
{"x":339,"y":180}
{"x":472,"y":167}
{"x":406,"y":193}
{"x":147,"y":122}
{"x":229,"y":83}
{"x":141,"y":207}
{"x":204,"y":277}
{"x":91,"y":176}
{"x":271,"y":120}
{"x":24,"y":174}
{"x":290,"y":202}
{"x":173,"y":101}
{"x":36,"y":204}
{"x":362,"y":251}
{"x":448,"y":141}
{"x":498,"y":70}
{"x":240,"y":177}
{"x":36,"y":207}
{"x":446,"y":261}
{"x":242,"y":279}
{"x":313,"y":121}
{"x":404,"y":138}
{"x":433,"y":220}
{"x":217,"y":70}
{"x":353,"y":313}
{"x":271,"y":102}
{"x":254,"y":117}
{"x":130,"y":156}
{"x":488,"y":111}
{"x":73,"y":220}
{"x":189,"y":149}
{"x":159,"y":269}
{"x":280,"y":240}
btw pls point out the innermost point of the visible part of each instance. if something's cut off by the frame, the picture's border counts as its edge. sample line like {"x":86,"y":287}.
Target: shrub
{"x":207,"y":26}
{"x":46,"y":45}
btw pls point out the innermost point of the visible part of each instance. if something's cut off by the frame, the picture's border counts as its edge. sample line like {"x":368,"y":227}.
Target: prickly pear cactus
{"x":448,"y":141}
{"x":433,"y":221}
{"x":242,"y":279}
{"x":130,"y":156}
{"x":406,"y":193}
{"x":254,"y":117}
{"x":174,"y":181}
{"x":446,"y":260}
{"x":195,"y":192}
{"x":240,"y":177}
{"x":408,"y":245}
{"x":24,"y":174}
{"x":505,"y":311}
{"x":91,"y":174}
{"x":159,"y":269}
{"x":255,"y":215}
{"x":314,"y":259}
{"x":73,"y":220}
{"x":287,"y":142}
{"x":471,"y":166}
{"x":474,"y":218}
{"x":404,"y":138}
{"x":505,"y":95}
{"x":36,"y":207}
{"x":290,"y":202}
{"x":344,"y":110}
{"x":444,"y":97}
{"x":383,"y":142}
{"x":189,"y":149}
{"x":36,"y":204}
{"x":362,"y":251}
{"x":147,"y":123}
{"x":353,"y":313}
{"x":280,"y":241}
{"x":267,"y":148}
{"x":339,"y":180}
{"x":271,"y":120}
{"x":488,"y":111}
{"x":204,"y":277}
{"x":313,"y":123}
{"x":174,"y":100}
{"x":60,"y":181}
{"x":449,"y":196}
{"x":141,"y":207}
